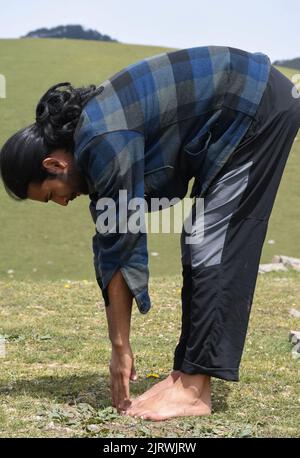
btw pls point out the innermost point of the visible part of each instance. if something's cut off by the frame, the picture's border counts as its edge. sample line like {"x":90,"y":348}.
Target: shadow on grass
{"x":91,"y":388}
{"x":220,"y":393}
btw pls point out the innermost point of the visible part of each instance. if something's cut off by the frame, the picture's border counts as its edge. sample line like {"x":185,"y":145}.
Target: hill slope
{"x":290,"y":63}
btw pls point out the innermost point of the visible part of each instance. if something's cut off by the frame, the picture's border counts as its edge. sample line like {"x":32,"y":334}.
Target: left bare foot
{"x":190,"y":395}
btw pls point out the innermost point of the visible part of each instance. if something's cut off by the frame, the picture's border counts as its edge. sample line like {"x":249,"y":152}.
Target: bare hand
{"x":121,"y":371}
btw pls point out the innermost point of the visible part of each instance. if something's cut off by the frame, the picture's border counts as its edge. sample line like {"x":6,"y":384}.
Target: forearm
{"x":118,"y":312}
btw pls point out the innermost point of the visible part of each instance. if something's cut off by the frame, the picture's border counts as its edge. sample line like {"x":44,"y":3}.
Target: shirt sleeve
{"x":114,"y":164}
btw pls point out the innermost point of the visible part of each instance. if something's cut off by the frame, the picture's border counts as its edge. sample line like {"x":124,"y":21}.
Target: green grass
{"x":49,"y":242}
{"x":54,"y":379}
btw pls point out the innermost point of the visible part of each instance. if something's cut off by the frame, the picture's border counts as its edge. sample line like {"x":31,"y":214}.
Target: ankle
{"x":175,"y":374}
{"x":196,"y":384}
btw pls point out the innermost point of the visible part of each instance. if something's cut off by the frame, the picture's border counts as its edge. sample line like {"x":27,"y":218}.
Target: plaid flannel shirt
{"x":153,"y":126}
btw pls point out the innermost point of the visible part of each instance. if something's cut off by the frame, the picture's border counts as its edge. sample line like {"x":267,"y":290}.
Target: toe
{"x":142,"y":414}
{"x":135,"y":407}
{"x":138,"y":411}
{"x":152,"y":416}
{"x":132,"y":411}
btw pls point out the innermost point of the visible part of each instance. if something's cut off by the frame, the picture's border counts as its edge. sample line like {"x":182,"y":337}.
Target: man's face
{"x":67,"y":185}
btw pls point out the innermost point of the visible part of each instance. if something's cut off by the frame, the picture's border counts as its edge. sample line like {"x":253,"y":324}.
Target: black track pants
{"x":220,"y":272}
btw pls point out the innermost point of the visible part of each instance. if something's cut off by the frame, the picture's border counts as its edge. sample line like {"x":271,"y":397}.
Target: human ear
{"x":53,"y":165}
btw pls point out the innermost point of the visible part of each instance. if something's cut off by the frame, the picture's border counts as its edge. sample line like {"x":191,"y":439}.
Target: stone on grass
{"x":295,"y":313}
{"x":286,"y":260}
{"x":296,"y":351}
{"x":272,"y":267}
{"x":296,"y":348}
{"x":295,"y":267}
{"x":294,"y":337}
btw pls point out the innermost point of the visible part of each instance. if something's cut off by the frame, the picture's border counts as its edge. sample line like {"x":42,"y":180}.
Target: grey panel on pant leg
{"x":219,"y":205}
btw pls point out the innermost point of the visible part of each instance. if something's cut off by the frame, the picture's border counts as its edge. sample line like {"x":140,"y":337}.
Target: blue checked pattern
{"x":155,"y":125}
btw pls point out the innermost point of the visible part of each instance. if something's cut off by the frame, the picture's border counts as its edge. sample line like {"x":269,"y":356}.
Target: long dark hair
{"x":57,"y":115}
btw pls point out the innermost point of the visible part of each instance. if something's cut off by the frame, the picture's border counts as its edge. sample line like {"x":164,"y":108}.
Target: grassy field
{"x":51,"y":242}
{"x":54,"y":379}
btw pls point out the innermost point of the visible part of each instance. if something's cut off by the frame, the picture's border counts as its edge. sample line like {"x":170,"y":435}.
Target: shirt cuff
{"x":142,"y":298}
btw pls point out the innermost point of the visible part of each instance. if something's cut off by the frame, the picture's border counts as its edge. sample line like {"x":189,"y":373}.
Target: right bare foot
{"x":166,"y":383}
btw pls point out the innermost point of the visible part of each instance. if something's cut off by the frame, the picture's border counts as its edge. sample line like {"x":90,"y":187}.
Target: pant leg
{"x":237,"y":208}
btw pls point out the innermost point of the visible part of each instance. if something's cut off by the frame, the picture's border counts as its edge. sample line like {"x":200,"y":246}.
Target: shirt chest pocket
{"x":196,"y":160}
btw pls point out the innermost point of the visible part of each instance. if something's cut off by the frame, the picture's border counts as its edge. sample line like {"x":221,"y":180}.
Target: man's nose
{"x":61,"y":201}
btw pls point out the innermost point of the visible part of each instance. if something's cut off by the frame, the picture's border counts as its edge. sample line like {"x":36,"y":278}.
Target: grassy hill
{"x":54,"y":377}
{"x":51,"y":242}
{"x":289,"y":63}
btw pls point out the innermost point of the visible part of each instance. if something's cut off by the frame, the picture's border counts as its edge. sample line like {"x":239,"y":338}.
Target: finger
{"x":113,"y":391}
{"x":123,"y":391}
{"x":120,"y":395}
{"x":133,"y":375}
{"x":125,"y":405}
{"x":125,"y":387}
{"x":113,"y":400}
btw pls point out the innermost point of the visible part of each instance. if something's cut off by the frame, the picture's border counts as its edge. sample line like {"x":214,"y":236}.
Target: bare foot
{"x":189,"y":395}
{"x":166,"y":383}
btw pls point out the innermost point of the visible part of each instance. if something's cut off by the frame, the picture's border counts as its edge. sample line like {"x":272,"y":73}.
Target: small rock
{"x":93,"y":428}
{"x":294,"y":337}
{"x":296,"y":348}
{"x":154,"y":253}
{"x":10,"y":271}
{"x":286,"y":260}
{"x":273,"y":267}
{"x":296,"y":351}
{"x":294,"y":312}
{"x":295,"y":340}
{"x":295,"y":267}
{"x":271,"y":242}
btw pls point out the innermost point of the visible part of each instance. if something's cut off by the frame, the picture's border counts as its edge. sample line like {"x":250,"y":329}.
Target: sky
{"x":268,"y":26}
